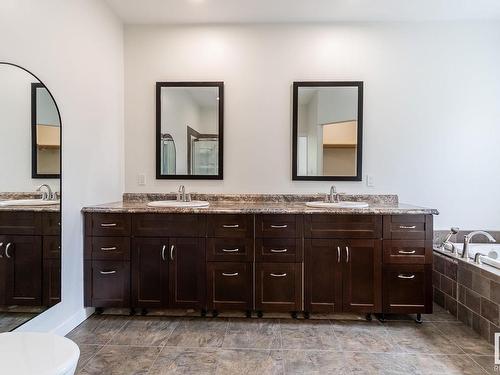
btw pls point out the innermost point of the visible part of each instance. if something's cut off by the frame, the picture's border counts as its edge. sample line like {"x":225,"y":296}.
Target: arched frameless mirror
{"x":30,"y":191}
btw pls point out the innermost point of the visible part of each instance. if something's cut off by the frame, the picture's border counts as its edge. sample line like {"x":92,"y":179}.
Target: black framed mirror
{"x":189,"y":130}
{"x":327,"y":131}
{"x":30,"y":207}
{"x":45,"y":134}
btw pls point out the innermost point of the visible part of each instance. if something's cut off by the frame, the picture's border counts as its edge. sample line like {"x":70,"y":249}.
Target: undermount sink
{"x":179,"y":204}
{"x":321,"y":204}
{"x":28,"y":202}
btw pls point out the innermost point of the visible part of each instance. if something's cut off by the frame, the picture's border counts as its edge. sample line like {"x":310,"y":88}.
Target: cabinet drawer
{"x":278,"y":226}
{"x":408,"y":227}
{"x":232,"y":226}
{"x":29,"y":223}
{"x":110,"y":283}
{"x":408,"y":251}
{"x":407,"y":289}
{"x":51,"y":223}
{"x":278,"y":250}
{"x":230,"y":249}
{"x":109,"y":248}
{"x":108,"y":224}
{"x":51,"y":247}
{"x":278,"y":287}
{"x":168,"y":225}
{"x":342,"y":226}
{"x":229,"y":285}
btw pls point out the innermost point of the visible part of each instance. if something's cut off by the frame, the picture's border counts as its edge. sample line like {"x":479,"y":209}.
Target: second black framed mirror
{"x":327,"y":131}
{"x":189,"y":130}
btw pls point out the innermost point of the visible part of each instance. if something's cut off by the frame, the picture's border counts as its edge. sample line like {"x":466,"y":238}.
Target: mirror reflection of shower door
{"x":167,"y":154}
{"x":204,"y":156}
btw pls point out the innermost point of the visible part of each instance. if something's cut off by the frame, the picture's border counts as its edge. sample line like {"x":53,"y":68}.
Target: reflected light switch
{"x":369,"y":181}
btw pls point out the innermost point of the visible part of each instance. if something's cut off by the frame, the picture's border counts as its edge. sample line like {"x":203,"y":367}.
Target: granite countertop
{"x":265,"y":204}
{"x":10,"y":196}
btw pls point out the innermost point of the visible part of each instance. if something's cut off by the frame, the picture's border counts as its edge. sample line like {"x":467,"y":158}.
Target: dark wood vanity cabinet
{"x":30,"y":258}
{"x":266,"y":262}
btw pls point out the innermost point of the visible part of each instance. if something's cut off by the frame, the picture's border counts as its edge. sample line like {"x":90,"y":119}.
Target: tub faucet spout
{"x":468,"y":238}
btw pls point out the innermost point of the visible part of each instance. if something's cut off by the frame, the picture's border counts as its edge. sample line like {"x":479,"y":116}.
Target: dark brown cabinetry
{"x":266,"y":262}
{"x":30,"y":258}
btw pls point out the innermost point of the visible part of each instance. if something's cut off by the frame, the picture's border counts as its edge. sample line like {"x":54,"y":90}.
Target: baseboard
{"x":73,"y":321}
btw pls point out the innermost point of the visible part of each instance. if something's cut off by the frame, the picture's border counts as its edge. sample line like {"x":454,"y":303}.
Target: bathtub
{"x":491,"y":252}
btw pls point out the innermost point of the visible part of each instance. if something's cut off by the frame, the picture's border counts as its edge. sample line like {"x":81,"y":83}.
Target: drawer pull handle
{"x":230,"y":250}
{"x":163,"y":252}
{"x":172,"y":248}
{"x":230,"y":274}
{"x":278,"y":274}
{"x":279,"y":226}
{"x":406,"y":252}
{"x":347,"y":254}
{"x":1,"y":244}
{"x":108,"y":225}
{"x":407,"y":226}
{"x":338,"y":254}
{"x":279,"y":250}
{"x":401,"y":276}
{"x":108,"y":248}
{"x":7,"y":250}
{"x":230,"y":226}
{"x":107,"y":272}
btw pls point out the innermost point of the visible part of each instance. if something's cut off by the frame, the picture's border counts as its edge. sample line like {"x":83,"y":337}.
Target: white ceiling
{"x":261,"y":11}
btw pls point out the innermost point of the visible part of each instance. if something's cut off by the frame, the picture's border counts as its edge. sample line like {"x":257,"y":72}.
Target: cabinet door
{"x":362,"y":276}
{"x":110,"y":283}
{"x":23,"y":270}
{"x":229,"y":286}
{"x":150,"y":272}
{"x":278,"y":287}
{"x":323,"y":282}
{"x":408,"y":288}
{"x":51,"y":282}
{"x":187,"y":273}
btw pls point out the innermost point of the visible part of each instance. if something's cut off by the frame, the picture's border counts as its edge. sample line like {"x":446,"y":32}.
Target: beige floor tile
{"x":367,"y":337}
{"x":174,"y":360}
{"x":487,"y":362}
{"x":465,"y":338}
{"x":308,"y":335}
{"x":86,"y":353}
{"x":198,"y":333}
{"x":98,"y":329}
{"x":121,"y":360}
{"x":145,"y":331}
{"x":253,"y":333}
{"x":314,"y":362}
{"x":247,"y":362}
{"x":380,"y":363}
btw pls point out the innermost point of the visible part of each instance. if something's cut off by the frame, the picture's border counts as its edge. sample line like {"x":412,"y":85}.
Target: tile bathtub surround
{"x":469,"y":293}
{"x":168,"y":345}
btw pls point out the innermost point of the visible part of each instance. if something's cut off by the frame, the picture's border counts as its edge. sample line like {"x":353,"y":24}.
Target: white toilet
{"x":24,"y":353}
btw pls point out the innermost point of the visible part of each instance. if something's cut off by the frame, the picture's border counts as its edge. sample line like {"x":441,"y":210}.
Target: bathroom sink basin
{"x":320,"y":204}
{"x":27,"y":202}
{"x":179,"y":204}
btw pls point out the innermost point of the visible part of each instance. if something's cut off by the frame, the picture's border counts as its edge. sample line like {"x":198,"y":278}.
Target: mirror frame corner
{"x":295,"y":96}
{"x":220,"y":86}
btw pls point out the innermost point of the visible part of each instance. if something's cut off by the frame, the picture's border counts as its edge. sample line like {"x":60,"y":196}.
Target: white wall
{"x":432,"y":119}
{"x":76,"y":48}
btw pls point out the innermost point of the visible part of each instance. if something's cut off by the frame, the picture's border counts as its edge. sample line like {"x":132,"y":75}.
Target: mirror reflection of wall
{"x":30,"y":225}
{"x":189,"y":129}
{"x":327,"y":128}
{"x":46,"y":133}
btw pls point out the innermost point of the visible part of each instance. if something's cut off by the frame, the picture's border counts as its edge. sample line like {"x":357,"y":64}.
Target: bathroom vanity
{"x":30,"y":257}
{"x":262,"y":256}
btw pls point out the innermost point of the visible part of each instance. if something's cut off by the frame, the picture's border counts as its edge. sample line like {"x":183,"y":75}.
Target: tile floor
{"x":123,"y":345}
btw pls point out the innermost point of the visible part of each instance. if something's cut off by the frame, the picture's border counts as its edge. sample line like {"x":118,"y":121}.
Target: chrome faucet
{"x":468,"y":238}
{"x":182,"y":196}
{"x":47,"y":195}
{"x":446,"y":244}
{"x":334,"y":196}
